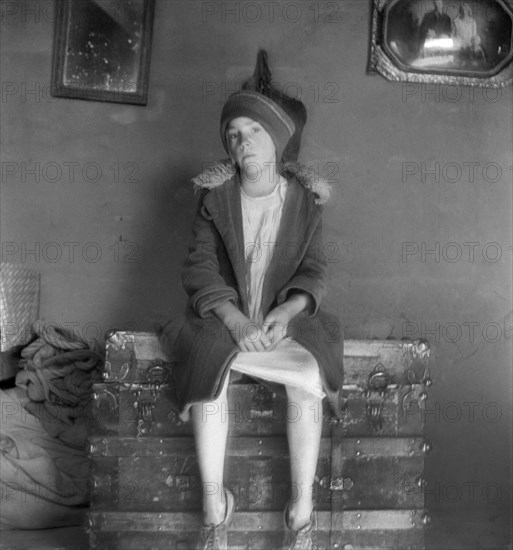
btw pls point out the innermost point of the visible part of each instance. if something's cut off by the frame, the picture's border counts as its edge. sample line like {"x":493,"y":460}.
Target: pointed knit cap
{"x":283,"y":117}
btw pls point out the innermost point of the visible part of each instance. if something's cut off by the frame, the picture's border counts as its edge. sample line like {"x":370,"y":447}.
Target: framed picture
{"x":102,"y":50}
{"x":467,"y":42}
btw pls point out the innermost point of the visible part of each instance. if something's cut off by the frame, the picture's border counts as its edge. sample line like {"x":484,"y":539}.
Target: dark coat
{"x":215,"y":272}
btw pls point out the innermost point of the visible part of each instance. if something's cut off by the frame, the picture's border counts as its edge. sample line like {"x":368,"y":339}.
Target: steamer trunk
{"x":369,"y":482}
{"x":366,"y":530}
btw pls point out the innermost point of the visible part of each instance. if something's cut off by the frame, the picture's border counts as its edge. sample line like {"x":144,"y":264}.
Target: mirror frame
{"x":384,"y":62}
{"x":60,"y":88}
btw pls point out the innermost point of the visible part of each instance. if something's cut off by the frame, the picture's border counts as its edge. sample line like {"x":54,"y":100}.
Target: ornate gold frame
{"x":383,"y":61}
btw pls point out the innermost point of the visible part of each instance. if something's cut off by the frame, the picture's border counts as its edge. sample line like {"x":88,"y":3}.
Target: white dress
{"x":289,"y":363}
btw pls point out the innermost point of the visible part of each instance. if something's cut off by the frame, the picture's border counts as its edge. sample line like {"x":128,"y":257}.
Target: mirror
{"x":102,"y":50}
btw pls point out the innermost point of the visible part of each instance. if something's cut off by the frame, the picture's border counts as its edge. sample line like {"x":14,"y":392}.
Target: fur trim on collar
{"x":216,"y":174}
{"x":310,"y":179}
{"x":223,"y":170}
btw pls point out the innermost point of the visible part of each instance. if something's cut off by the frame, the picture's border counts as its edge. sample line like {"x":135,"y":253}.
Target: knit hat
{"x":262,"y":109}
{"x":262,"y":82}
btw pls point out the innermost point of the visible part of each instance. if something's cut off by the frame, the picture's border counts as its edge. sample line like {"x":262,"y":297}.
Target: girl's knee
{"x":298,"y":395}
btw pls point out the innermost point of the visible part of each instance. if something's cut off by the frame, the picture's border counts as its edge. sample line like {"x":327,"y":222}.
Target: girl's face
{"x":250,"y":146}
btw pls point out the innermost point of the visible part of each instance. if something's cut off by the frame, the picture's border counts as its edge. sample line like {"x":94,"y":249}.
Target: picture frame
{"x":102,"y":50}
{"x":460,"y":42}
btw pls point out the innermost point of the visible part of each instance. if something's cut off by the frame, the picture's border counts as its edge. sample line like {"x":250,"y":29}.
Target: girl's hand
{"x":277,"y":321}
{"x":248,"y":335}
{"x":275,"y":325}
{"x":252,"y":337}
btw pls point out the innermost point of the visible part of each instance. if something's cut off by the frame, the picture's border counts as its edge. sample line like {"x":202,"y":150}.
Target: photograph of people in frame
{"x":465,"y":37}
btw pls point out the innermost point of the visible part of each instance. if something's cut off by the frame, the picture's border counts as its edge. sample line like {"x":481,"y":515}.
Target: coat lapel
{"x":298,"y":221}
{"x":223,"y":204}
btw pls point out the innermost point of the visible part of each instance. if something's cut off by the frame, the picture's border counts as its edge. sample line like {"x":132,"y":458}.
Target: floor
{"x":460,"y":530}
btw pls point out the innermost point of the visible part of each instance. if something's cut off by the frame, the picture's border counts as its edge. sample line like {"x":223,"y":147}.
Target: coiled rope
{"x":54,"y":337}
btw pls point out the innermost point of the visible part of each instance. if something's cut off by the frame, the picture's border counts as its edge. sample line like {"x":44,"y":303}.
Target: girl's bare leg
{"x":210,"y":425}
{"x":304,"y":427}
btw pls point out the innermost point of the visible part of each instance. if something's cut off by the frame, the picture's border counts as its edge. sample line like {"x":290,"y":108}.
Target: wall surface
{"x":419,"y":226}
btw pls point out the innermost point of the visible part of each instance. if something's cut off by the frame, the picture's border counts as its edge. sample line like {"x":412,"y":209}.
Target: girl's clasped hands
{"x":252,"y":336}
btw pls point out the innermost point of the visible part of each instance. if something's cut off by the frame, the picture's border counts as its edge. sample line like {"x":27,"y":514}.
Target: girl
{"x":255,"y":276}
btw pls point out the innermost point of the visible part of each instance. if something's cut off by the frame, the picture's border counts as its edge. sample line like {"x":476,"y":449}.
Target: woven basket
{"x":19,"y":304}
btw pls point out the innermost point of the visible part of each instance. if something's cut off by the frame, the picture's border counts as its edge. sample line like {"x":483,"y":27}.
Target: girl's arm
{"x":303,"y":293}
{"x":310,"y":276}
{"x":201,"y":277}
{"x":297,"y":303}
